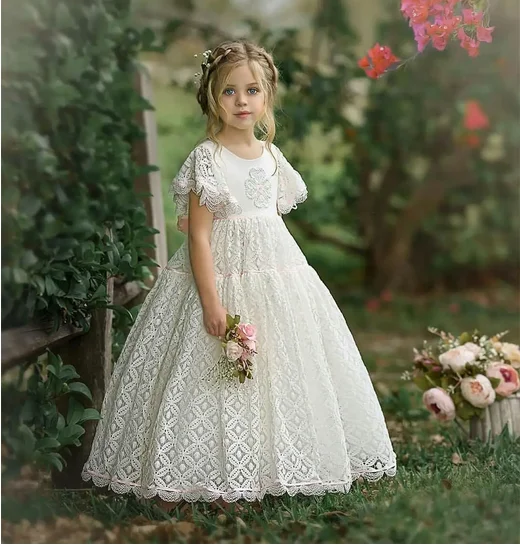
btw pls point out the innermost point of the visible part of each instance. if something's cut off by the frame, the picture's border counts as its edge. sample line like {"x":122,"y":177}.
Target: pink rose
{"x":509,"y":380}
{"x":478,"y":391}
{"x":439,"y":403}
{"x":233,"y":351}
{"x":247,"y":331}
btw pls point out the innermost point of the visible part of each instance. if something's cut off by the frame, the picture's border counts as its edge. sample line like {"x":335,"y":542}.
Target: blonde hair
{"x":215,"y":75}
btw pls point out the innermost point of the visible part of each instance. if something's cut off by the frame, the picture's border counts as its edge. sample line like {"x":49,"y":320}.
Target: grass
{"x":432,"y":499}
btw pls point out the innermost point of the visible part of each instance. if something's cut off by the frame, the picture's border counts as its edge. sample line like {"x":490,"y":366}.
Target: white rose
{"x":512,"y":353}
{"x":457,"y":358}
{"x":478,"y":391}
{"x":233,"y":351}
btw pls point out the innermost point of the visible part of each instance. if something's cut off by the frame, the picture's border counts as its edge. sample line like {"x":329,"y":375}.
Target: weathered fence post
{"x":144,"y":152}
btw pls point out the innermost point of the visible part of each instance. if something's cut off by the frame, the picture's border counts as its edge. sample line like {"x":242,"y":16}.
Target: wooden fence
{"x":91,"y":353}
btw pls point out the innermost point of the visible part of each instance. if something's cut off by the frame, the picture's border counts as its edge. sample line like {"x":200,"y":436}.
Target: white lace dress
{"x":308,"y":422}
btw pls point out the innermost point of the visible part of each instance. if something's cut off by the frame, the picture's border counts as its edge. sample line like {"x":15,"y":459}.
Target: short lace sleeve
{"x":291,"y":187}
{"x":198,"y":174}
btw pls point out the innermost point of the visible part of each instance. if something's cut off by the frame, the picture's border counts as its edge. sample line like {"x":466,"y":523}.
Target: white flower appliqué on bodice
{"x":258,"y":187}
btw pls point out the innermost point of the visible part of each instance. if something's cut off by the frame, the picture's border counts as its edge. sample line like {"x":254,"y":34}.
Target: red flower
{"x":469,"y":44}
{"x":378,"y":60}
{"x":474,"y":117}
{"x":472,"y":17}
{"x":484,"y":34}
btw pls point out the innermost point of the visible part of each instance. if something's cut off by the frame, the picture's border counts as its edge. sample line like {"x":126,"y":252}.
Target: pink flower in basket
{"x":439,"y":403}
{"x":508,"y":376}
{"x":478,"y":391}
{"x":247,"y":331}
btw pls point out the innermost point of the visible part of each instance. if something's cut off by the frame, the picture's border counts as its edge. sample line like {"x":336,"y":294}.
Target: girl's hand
{"x":214,"y":318}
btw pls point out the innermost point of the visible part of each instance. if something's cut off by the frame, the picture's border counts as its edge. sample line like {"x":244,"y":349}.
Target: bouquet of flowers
{"x":460,"y":376}
{"x":238,"y":349}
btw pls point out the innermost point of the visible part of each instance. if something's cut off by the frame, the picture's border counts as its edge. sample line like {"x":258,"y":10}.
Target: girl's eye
{"x":228,"y":91}
{"x":254,"y":90}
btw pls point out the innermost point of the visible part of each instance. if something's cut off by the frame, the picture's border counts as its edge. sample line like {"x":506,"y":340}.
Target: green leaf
{"x":422,"y":382}
{"x":75,"y":411}
{"x":20,"y":275}
{"x":466,"y":411}
{"x":90,"y":414}
{"x":68,"y":372}
{"x":495,"y":382}
{"x":80,"y":388}
{"x":55,"y":360}
{"x":51,"y":287}
{"x":27,"y":438}
{"x":47,"y":443}
{"x":229,"y":321}
{"x":70,"y":433}
{"x":52,"y":459}
{"x":464,"y":337}
{"x":60,"y":425}
{"x":29,"y":410}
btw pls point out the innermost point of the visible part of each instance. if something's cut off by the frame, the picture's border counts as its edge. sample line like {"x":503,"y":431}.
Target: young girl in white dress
{"x":309,"y":421}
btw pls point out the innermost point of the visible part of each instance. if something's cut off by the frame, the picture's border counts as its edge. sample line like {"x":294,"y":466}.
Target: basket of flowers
{"x":471,"y":377}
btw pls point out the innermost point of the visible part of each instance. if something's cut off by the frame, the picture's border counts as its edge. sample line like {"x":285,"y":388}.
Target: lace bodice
{"x":230,"y":186}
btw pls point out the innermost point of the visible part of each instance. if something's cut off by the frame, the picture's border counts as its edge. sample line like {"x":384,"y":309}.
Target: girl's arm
{"x":200,"y":222}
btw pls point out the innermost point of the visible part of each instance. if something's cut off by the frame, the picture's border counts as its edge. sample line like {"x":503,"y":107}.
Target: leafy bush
{"x":68,"y":172}
{"x":52,"y":413}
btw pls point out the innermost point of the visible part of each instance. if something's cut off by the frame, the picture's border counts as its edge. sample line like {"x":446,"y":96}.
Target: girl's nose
{"x":241,"y":99}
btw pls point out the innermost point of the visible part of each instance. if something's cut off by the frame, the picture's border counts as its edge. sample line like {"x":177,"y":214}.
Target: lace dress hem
{"x":207,"y":494}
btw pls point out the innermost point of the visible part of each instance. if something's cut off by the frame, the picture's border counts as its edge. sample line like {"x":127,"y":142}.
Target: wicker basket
{"x":495,"y":418}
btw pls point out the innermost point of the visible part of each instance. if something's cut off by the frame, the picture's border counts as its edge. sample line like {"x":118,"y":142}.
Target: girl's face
{"x":242,"y":102}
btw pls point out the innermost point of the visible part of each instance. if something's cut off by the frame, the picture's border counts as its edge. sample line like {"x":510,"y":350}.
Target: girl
{"x":309,"y":421}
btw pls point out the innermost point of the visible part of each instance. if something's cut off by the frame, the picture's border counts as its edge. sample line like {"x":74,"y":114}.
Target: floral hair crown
{"x":206,"y":63}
